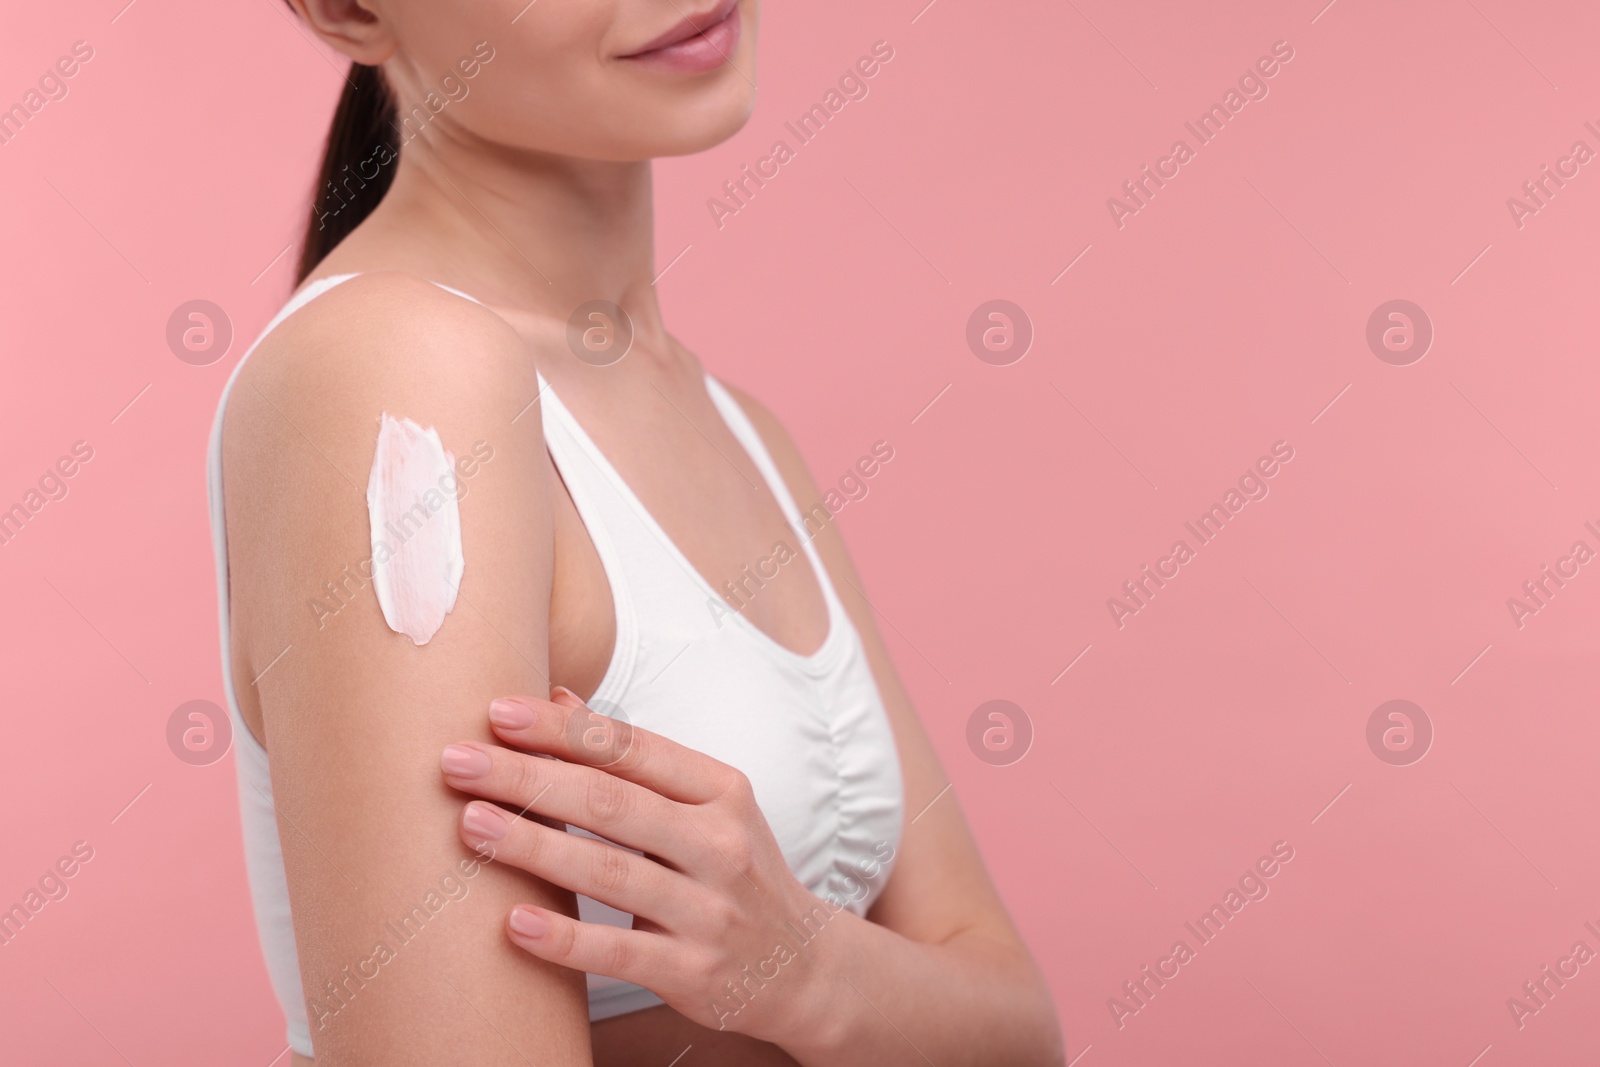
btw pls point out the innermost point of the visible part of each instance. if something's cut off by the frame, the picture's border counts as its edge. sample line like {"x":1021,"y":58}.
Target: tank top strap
{"x":739,"y":423}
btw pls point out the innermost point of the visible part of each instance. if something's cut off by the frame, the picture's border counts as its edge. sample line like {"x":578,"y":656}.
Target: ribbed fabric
{"x":810,"y":731}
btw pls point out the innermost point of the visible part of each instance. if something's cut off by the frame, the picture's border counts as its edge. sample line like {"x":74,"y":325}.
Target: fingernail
{"x":484,"y":821}
{"x":529,"y":923}
{"x":562,"y":695}
{"x":510,"y":714}
{"x":463,"y":762}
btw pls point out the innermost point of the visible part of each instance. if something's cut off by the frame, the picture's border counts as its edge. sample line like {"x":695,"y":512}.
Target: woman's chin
{"x":709,"y":134}
{"x":682,"y":131}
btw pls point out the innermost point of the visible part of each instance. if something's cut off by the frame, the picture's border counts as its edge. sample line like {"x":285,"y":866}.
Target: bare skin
{"x":355,"y":716}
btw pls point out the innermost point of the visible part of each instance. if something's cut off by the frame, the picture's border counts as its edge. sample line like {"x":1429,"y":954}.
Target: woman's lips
{"x":695,"y":49}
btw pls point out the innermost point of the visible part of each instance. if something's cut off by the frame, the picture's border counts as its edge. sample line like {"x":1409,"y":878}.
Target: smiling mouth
{"x":697,"y":43}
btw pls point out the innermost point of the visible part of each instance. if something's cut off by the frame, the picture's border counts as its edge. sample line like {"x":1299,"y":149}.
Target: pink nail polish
{"x":529,"y":924}
{"x":459,"y":761}
{"x":565,"y":697}
{"x":510,"y":715}
{"x":484,"y":821}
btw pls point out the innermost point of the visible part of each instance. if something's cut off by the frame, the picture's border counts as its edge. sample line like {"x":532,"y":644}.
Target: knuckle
{"x":743,"y":856}
{"x":610,"y":869}
{"x":722,"y":913}
{"x":738,"y":786}
{"x":708,"y":961}
{"x":596,"y":739}
{"x":609,"y":799}
{"x":562,"y":939}
{"x":521,"y":774}
{"x":735,"y":848}
{"x":717,"y":835}
{"x":695,"y":969}
{"x":527,"y":844}
{"x":629,"y":749}
{"x":615,"y":956}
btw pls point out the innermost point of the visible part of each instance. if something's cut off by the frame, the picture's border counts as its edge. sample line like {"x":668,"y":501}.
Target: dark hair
{"x":362,"y":132}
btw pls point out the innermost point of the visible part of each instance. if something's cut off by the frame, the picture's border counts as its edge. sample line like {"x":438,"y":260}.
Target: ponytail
{"x":357,"y":165}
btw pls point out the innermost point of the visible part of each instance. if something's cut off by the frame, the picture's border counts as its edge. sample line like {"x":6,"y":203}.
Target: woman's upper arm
{"x":939,"y":888}
{"x":399,"y":931}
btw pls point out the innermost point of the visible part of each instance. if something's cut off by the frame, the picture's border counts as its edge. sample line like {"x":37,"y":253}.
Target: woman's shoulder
{"x":385,"y":330}
{"x":302,"y":429}
{"x":302,"y":417}
{"x":379,"y":342}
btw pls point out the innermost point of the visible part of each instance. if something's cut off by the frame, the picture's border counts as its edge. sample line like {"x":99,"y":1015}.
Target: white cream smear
{"x":416,"y":528}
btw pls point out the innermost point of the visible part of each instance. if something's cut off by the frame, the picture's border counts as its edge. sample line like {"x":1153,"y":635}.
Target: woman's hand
{"x":722,"y":930}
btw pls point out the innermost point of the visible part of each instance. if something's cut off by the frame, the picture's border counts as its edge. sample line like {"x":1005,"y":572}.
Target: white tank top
{"x":810,"y":731}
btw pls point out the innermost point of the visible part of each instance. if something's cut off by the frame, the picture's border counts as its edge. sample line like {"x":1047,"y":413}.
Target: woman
{"x":761,"y":863}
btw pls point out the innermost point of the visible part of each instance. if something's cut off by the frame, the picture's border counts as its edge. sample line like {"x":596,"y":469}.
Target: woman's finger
{"x":614,"y":809}
{"x":611,"y":875}
{"x":630,"y":955}
{"x":565,"y":728}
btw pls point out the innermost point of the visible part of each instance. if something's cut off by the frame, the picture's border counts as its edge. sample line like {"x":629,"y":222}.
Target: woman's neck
{"x":536,"y":233}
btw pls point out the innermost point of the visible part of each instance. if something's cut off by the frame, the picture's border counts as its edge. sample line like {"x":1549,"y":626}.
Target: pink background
{"x":1223,"y":317}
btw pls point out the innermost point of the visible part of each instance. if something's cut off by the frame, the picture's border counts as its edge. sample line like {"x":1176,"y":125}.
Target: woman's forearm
{"x":874,"y":997}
